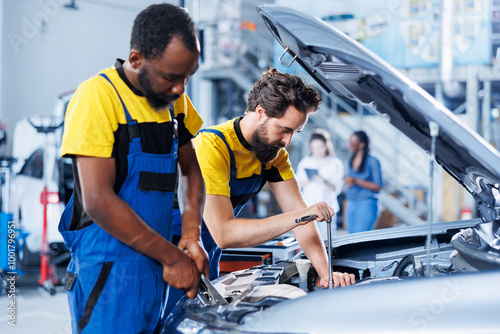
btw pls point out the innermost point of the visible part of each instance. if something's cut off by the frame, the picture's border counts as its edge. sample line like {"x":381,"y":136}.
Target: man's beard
{"x":264,"y":150}
{"x":159,"y":102}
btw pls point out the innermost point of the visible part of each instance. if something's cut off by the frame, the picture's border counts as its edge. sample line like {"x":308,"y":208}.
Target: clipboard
{"x":311,"y":172}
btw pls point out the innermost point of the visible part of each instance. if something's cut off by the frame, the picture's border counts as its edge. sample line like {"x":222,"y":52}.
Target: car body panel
{"x":401,"y":232}
{"x":413,"y":305}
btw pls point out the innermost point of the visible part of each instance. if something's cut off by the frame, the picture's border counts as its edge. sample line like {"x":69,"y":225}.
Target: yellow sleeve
{"x":214,"y":159}
{"x":190,"y":121}
{"x":280,"y":169}
{"x":91,"y":120}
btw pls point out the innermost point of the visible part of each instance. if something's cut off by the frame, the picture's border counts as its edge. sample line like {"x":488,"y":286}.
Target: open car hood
{"x":345,"y":67}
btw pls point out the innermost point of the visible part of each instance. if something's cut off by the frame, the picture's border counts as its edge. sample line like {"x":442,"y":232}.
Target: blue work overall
{"x":112,"y":288}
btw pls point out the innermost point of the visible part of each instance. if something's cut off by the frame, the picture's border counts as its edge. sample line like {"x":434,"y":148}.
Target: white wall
{"x":47,"y":49}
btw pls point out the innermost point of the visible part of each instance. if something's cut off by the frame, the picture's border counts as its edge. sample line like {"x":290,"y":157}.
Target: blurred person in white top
{"x":321,"y":174}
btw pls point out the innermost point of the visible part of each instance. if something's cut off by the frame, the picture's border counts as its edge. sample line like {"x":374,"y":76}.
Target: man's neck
{"x":131,"y":74}
{"x":248,"y":125}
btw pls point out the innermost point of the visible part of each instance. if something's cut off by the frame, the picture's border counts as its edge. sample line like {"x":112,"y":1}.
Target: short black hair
{"x":155,"y":26}
{"x":277,"y":91}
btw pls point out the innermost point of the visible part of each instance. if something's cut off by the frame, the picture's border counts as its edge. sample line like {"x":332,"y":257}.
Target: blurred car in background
{"x":38,"y":165}
{"x":438,"y":278}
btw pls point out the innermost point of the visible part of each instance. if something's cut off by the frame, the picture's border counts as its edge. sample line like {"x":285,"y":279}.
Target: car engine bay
{"x":373,"y":259}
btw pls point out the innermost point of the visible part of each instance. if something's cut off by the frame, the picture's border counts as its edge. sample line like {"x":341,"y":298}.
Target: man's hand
{"x":339,"y":279}
{"x":182,"y":273}
{"x":193,"y":249}
{"x":321,"y":211}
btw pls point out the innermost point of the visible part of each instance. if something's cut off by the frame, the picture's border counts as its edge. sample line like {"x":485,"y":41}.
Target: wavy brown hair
{"x":277,"y":91}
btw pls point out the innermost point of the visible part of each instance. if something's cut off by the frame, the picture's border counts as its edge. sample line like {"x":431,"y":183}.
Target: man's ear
{"x":260,"y":112}
{"x":135,"y":59}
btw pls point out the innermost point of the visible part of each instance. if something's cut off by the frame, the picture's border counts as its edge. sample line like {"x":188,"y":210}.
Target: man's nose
{"x":179,"y":87}
{"x":287,"y":138}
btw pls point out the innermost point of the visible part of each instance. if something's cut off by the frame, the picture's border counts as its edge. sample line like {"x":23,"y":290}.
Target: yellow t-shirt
{"x":96,"y":125}
{"x":95,"y":118}
{"x":214,"y":159}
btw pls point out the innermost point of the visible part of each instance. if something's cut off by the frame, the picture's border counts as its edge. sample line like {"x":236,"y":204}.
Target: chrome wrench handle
{"x":329,"y":248}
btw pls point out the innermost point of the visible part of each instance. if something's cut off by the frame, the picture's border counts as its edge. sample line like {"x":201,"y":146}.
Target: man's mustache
{"x":169,"y":98}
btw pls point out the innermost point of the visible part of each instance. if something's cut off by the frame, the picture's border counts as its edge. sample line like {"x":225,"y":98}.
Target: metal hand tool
{"x":209,"y":295}
{"x":329,"y":246}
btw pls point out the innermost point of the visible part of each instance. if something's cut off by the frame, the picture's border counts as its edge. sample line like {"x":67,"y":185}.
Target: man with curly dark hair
{"x":237,"y":158}
{"x":127,"y":129}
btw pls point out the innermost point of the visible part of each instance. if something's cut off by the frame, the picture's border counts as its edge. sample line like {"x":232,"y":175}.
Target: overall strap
{"x":127,"y":114}
{"x":231,"y":155}
{"x":134,"y":134}
{"x":175,"y":127}
{"x":172,"y":115}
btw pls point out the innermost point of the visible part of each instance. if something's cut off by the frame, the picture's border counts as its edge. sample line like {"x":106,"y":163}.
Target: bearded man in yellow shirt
{"x":239,"y":156}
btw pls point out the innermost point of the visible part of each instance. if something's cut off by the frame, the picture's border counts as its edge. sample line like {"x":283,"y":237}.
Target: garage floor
{"x":36,"y":310}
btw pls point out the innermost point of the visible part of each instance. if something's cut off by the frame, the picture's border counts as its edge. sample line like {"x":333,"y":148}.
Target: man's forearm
{"x":193,"y":191}
{"x":310,"y":241}
{"x":230,"y":232}
{"x":194,"y":197}
{"x":308,"y":236}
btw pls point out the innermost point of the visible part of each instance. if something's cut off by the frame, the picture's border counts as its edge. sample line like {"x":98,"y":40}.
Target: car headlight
{"x":190,"y":326}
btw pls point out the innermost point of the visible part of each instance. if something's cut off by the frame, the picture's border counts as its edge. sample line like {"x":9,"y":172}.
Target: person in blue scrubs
{"x":363,"y":182}
{"x":127,"y":130}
